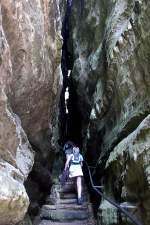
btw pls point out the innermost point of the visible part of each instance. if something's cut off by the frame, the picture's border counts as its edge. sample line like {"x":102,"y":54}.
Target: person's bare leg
{"x":79,"y":187}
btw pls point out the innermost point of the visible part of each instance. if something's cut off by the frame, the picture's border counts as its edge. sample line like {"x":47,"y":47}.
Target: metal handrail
{"x":133,"y":219}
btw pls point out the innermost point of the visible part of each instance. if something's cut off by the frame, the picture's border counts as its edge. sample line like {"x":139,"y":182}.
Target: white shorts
{"x":75,"y":171}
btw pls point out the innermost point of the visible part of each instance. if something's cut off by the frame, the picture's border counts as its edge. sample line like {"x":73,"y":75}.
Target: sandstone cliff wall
{"x":30,"y":82}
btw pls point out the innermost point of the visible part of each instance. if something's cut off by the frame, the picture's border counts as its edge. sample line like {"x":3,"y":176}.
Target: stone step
{"x":68,"y":195}
{"x":65,"y":198}
{"x":71,"y":182}
{"x":75,"y":222}
{"x":62,"y":209}
{"x":66,"y":190}
{"x":84,"y":206}
{"x":72,"y":195}
{"x":64,"y":201}
{"x":65,"y":214}
{"x":67,"y":201}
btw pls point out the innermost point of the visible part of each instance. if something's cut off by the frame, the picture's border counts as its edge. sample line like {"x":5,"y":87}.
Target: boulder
{"x":14,"y":200}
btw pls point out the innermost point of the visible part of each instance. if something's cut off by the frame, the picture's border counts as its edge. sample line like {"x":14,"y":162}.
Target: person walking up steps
{"x":74,"y":162}
{"x":68,"y":150}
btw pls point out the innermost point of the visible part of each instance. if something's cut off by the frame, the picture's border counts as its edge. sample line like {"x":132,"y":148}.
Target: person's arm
{"x":81,"y":162}
{"x":67,"y":162}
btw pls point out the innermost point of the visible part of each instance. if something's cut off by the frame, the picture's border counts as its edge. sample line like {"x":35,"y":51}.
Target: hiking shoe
{"x":79,"y":201}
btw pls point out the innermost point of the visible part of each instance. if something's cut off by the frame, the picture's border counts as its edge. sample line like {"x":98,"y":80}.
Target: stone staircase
{"x":61,"y":207}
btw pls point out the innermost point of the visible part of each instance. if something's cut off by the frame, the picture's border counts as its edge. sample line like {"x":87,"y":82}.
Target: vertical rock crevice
{"x":70,"y":121}
{"x":110,"y":51}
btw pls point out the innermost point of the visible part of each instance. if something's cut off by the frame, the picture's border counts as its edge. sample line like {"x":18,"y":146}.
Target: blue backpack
{"x":76,"y":159}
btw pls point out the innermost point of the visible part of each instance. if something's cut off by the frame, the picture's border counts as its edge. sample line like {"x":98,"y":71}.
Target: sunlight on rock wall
{"x":30,"y":83}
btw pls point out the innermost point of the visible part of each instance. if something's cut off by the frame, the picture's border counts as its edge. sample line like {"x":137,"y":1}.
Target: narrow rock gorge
{"x":98,"y":50}
{"x":109,"y":44}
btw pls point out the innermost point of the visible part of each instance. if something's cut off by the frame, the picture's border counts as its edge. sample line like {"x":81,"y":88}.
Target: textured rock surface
{"x":110,"y":47}
{"x":30,"y":81}
{"x":33,"y":35}
{"x":127,"y":177}
{"x":26,"y":221}
{"x":13,"y":197}
{"x":111,"y":72}
{"x":107,"y":213}
{"x":16,"y":155}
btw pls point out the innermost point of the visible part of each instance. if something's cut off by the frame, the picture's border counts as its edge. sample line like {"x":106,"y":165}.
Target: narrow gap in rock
{"x":70,"y":117}
{"x":70,"y":121}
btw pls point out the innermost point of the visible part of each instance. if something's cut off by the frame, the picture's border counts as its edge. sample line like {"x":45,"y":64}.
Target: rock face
{"x":128,"y":172}
{"x":30,"y":82}
{"x":33,"y":35}
{"x":110,"y":45}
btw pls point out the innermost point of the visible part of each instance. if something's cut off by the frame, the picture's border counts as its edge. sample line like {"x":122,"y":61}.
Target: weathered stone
{"x":32,"y":30}
{"x":26,"y":221}
{"x":60,"y":209}
{"x":127,"y":172}
{"x":63,"y":215}
{"x":16,"y":154}
{"x":107,"y":214}
{"x":13,"y":197}
{"x":30,"y":83}
{"x":107,"y":71}
{"x":16,"y":160}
